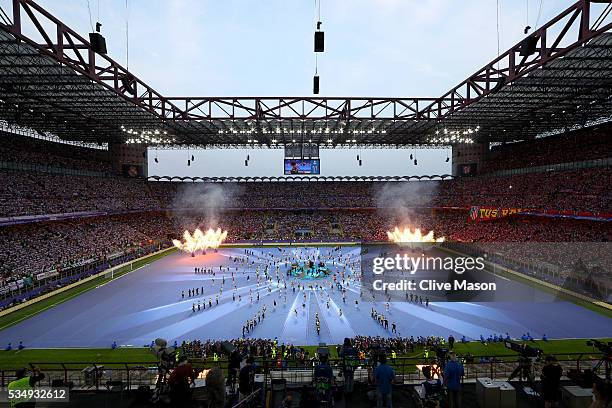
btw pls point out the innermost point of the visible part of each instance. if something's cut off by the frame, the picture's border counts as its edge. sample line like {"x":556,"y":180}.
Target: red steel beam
{"x":69,"y":48}
{"x":573,"y":24}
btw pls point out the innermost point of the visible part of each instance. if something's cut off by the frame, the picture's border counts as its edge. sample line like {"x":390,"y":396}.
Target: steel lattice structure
{"x":52,"y":81}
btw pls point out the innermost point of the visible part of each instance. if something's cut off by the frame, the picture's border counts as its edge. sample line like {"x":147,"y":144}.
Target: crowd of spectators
{"x":570,"y":147}
{"x":141,"y":211}
{"x":263,"y":348}
{"x":29,"y":249}
{"x":31,"y":151}
{"x":44,"y":193}
{"x":34,"y":193}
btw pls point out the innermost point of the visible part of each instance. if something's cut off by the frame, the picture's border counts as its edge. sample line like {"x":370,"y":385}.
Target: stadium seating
{"x":39,"y":247}
{"x":44,"y":193}
{"x":32,"y":151}
{"x":125,"y":214}
{"x":565,"y":148}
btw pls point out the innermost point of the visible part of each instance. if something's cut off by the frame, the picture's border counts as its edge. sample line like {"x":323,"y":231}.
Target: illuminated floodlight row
{"x":280,"y":131}
{"x":155,"y":136}
{"x":453,"y":136}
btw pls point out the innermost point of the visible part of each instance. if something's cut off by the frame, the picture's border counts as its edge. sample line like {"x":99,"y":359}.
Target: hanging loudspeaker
{"x":319,"y":41}
{"x":528,"y":46}
{"x":98,"y":43}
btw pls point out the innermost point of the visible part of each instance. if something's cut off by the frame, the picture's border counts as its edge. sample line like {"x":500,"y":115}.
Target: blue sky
{"x":264,"y":48}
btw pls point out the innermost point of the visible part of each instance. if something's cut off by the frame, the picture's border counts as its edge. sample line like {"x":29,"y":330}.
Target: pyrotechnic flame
{"x":200,"y":241}
{"x":407,"y":236}
{"x":434,"y":369}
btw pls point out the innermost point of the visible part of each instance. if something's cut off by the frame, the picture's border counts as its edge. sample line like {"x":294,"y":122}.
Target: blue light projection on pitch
{"x":159,"y":300}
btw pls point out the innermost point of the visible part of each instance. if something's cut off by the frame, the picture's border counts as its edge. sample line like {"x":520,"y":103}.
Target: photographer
{"x":322,"y":381}
{"x":431,"y":389}
{"x":350,"y":360}
{"x":551,"y":380}
{"x":24,"y":382}
{"x":233,"y":367}
{"x":180,"y":381}
{"x":246,"y":378}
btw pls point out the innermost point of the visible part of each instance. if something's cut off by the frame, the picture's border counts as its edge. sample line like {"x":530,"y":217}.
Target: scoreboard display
{"x":302,"y":166}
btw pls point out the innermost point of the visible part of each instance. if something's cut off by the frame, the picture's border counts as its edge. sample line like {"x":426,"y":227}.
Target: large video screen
{"x":302,"y":166}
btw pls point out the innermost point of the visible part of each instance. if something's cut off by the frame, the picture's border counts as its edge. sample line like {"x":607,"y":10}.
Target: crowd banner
{"x":489,"y":213}
{"x":480,"y":213}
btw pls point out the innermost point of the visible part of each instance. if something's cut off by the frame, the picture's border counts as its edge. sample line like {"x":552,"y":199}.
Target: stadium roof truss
{"x":51,"y":80}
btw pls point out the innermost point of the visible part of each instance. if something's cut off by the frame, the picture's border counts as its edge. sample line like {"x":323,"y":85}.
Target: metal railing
{"x":101,"y":376}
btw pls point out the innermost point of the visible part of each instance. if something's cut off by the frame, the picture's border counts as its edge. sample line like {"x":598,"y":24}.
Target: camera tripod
{"x":524,"y":370}
{"x":605,"y":361}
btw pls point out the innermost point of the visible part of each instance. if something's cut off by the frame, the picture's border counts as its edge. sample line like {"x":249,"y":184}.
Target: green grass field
{"x":78,"y":358}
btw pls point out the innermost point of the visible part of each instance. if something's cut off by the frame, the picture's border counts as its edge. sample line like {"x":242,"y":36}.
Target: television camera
{"x":166,"y":362}
{"x":442,"y":356}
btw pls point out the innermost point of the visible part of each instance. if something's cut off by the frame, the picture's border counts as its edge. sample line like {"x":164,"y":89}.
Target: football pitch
{"x":148,"y":303}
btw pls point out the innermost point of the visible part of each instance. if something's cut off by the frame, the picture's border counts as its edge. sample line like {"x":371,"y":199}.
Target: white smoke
{"x":399,"y":201}
{"x":204,"y":203}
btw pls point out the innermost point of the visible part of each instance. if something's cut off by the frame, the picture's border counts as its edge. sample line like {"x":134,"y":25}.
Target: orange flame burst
{"x":200,"y":240}
{"x":407,"y":236}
